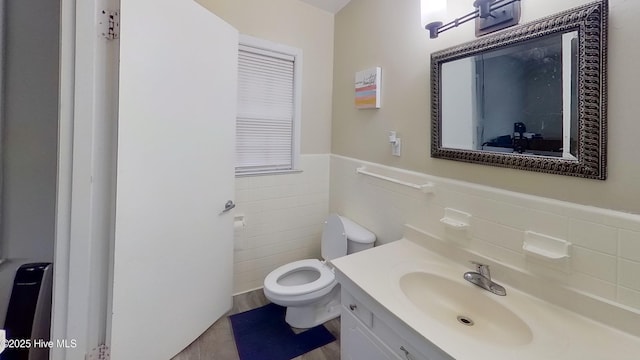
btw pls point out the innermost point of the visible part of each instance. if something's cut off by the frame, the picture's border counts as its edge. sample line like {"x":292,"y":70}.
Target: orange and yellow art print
{"x":368,"y":89}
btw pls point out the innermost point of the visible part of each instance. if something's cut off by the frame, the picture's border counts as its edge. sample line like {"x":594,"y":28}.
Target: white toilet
{"x":308,"y":288}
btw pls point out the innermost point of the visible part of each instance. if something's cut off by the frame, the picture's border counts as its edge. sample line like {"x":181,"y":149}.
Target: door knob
{"x":228,"y":206}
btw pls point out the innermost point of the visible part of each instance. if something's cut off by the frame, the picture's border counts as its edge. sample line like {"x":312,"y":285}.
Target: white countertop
{"x":557,"y":332}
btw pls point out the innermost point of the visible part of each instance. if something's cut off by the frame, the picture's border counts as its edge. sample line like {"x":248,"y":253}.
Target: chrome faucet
{"x":482,"y":277}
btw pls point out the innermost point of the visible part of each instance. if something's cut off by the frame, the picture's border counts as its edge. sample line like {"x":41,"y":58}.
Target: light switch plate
{"x":396,"y":148}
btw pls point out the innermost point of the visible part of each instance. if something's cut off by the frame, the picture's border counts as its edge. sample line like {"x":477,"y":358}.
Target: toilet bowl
{"x":308,"y":288}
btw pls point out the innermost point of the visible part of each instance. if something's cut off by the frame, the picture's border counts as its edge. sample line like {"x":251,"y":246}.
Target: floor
{"x":217,"y":342}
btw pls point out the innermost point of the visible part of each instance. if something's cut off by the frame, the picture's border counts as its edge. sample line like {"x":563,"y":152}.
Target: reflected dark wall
{"x":501,"y":99}
{"x":542,"y":112}
{"x":522,"y":84}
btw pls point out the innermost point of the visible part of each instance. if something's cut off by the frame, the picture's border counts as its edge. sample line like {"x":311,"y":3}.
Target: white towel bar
{"x":426,"y":188}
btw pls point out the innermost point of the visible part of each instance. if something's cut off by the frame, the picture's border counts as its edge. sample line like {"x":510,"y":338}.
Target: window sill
{"x":269,"y":173}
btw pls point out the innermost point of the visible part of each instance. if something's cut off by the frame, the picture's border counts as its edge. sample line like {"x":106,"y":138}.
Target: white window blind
{"x":265,"y":122}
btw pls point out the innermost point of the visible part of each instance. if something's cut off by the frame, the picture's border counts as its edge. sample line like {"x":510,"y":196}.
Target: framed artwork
{"x":368,"y":88}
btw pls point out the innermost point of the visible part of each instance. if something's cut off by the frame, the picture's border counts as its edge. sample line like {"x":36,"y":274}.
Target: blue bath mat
{"x":263,"y":334}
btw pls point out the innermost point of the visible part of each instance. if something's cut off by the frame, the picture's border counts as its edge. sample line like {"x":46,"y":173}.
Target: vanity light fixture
{"x":432,"y":13}
{"x":490,"y":15}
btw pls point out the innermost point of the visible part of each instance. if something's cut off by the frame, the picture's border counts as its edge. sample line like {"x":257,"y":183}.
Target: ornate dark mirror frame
{"x":591,"y":23}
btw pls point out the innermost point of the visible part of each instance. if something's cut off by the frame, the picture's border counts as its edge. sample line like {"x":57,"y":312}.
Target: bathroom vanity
{"x":405,"y":300}
{"x":369,"y":331}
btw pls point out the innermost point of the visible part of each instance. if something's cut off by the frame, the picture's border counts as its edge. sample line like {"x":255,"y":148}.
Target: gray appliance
{"x":29,"y":312}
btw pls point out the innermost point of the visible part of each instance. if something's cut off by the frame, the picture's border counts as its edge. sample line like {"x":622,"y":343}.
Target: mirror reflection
{"x":517,"y":99}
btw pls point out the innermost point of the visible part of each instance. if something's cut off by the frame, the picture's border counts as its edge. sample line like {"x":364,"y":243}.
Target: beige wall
{"x":388,"y":34}
{"x":293,"y":23}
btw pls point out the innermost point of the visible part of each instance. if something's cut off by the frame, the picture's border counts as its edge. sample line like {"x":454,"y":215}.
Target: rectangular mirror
{"x":532,"y":97}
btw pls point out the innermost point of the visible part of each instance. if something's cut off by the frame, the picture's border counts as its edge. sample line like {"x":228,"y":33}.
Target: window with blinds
{"x":268,"y":115}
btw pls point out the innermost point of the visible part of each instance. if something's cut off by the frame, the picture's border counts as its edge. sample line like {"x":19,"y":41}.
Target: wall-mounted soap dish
{"x":545,"y":247}
{"x":456,"y":219}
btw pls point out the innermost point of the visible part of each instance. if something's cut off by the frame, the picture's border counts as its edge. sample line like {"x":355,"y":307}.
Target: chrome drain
{"x":465,"y":320}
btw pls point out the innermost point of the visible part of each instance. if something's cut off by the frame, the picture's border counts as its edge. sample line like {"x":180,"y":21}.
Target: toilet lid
{"x":326,"y":278}
{"x":334,"y":238}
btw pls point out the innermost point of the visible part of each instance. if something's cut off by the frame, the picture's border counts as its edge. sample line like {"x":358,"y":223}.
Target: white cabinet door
{"x":358,"y":343}
{"x":172,"y":266}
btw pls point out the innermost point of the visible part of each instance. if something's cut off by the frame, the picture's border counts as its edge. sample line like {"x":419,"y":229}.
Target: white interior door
{"x":172,"y":265}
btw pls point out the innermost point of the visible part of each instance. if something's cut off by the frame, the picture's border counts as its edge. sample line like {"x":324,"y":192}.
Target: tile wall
{"x":283,"y":217}
{"x":604,"y":258}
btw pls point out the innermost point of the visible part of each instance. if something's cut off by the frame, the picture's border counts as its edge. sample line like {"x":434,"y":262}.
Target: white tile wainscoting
{"x":283,"y":217}
{"x":604,"y":258}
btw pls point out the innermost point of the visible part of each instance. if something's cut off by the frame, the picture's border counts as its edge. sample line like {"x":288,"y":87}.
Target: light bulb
{"x":433,"y":11}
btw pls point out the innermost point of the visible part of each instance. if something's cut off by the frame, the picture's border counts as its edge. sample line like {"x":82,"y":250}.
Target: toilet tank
{"x":358,"y":238}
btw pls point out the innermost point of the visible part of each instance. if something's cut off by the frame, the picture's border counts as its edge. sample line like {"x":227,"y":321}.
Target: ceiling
{"x":332,"y":6}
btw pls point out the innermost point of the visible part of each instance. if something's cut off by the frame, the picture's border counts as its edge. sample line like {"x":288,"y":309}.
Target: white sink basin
{"x":465,"y":308}
{"x":426,"y":292}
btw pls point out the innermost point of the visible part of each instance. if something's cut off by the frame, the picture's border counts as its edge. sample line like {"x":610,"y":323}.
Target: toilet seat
{"x":327,"y":277}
